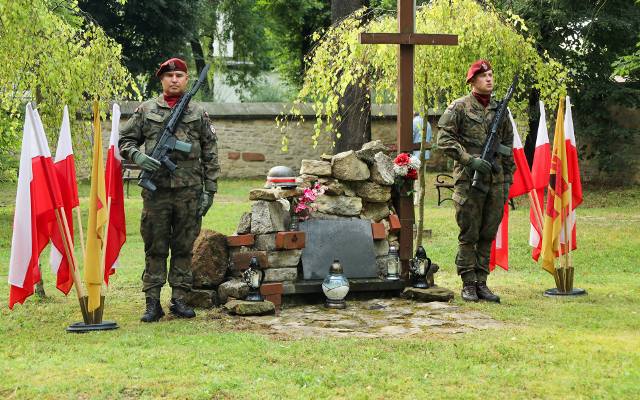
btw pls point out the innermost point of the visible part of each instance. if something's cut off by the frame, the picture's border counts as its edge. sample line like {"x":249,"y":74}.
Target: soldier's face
{"x":174,"y":83}
{"x":483,"y":83}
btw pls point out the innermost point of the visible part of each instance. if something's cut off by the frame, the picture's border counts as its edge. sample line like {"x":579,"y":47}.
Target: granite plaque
{"x":349,"y":241}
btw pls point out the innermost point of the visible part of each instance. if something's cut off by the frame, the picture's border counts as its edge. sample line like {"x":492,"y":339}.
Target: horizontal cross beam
{"x":409,"y":38}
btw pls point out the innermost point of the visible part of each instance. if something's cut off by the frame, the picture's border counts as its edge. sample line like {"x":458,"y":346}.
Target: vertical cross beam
{"x":406,"y":213}
{"x":407,"y":40}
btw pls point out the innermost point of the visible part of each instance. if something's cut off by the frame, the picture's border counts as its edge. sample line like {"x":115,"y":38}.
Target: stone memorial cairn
{"x":358,"y":186}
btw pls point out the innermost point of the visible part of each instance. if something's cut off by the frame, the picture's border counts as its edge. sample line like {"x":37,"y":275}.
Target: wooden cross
{"x":407,"y":39}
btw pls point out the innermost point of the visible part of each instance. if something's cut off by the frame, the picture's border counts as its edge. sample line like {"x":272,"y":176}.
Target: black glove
{"x":145,"y":162}
{"x":507,"y":186}
{"x":206,"y":200}
{"x":480,"y":165}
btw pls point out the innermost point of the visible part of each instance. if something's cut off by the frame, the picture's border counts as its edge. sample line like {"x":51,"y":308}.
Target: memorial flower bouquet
{"x":406,"y":167}
{"x":303,"y":205}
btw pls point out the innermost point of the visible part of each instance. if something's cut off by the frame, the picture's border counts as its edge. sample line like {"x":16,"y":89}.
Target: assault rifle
{"x":492,"y":143}
{"x":168,"y":142}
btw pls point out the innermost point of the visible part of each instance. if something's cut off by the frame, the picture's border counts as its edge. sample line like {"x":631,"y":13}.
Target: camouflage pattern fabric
{"x":200,"y":166}
{"x":463,"y":129}
{"x":169,"y":216}
{"x":169,"y":222}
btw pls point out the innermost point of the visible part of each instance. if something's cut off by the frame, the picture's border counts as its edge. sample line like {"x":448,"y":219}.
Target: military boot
{"x":469,"y":291}
{"x":153,"y":312}
{"x":180,"y":309}
{"x":484,"y":293}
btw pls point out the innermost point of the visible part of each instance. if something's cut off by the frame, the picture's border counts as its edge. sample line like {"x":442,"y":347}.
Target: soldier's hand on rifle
{"x":480,"y":165}
{"x":145,"y":162}
{"x":206,"y":200}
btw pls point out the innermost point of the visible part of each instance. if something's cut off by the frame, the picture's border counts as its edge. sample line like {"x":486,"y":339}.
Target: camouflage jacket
{"x":200,"y":166}
{"x":463,"y":128}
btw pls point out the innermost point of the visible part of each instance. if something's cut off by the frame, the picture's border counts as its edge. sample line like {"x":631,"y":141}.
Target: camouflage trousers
{"x":169,"y":222}
{"x":478,"y":216}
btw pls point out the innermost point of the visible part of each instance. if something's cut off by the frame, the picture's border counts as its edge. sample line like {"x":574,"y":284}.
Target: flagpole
{"x":79,"y":216}
{"x":63,"y":227}
{"x":568,"y":232}
{"x":533,"y":202}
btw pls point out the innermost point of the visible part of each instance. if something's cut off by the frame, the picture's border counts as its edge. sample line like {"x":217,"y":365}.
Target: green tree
{"x":241,"y":22}
{"x":339,"y":60}
{"x":149,"y":31}
{"x":588,"y":37}
{"x":291,"y":24}
{"x":55,"y":57}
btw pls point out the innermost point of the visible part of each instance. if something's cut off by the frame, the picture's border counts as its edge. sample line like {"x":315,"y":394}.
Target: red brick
{"x":377,"y":230}
{"x":233,"y":155}
{"x":271,"y":288}
{"x":394,"y":223}
{"x":240,"y":240}
{"x":246,"y":156}
{"x":290,"y":240}
{"x":241,"y":260}
{"x":276,"y":299}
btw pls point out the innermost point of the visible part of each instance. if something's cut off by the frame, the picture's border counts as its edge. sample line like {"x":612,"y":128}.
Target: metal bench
{"x":130,"y":172}
{"x":443,"y":181}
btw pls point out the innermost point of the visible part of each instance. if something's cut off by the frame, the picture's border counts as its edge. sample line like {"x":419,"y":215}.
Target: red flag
{"x":573,"y":172}
{"x":37,"y":198}
{"x":117,"y":233}
{"x":66,"y":173}
{"x":522,"y":184}
{"x":540,"y":174}
{"x":500,"y":246}
{"x":522,"y":180}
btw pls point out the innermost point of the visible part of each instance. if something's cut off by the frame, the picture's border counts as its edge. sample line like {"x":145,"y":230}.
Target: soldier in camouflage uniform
{"x":172,"y":214}
{"x":463,"y":129}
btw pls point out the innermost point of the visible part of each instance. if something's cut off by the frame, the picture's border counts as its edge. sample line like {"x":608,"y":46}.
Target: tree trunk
{"x":198,"y":56}
{"x":355,"y":106}
{"x":534,"y":119}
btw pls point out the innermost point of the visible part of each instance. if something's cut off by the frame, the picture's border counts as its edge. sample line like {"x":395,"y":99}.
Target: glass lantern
{"x":335,"y":286}
{"x":253,"y":277}
{"x":420,"y":266}
{"x":393,"y":264}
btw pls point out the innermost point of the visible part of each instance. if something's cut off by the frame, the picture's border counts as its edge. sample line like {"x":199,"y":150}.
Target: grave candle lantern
{"x":335,"y":286}
{"x":393,"y":264}
{"x":420,"y":266}
{"x":253,"y":277}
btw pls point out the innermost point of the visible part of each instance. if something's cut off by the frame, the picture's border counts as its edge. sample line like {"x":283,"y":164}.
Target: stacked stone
{"x":358,"y":186}
{"x":264,"y":233}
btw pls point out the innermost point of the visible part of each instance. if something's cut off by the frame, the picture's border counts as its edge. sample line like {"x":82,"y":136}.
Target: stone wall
{"x":250,"y":142}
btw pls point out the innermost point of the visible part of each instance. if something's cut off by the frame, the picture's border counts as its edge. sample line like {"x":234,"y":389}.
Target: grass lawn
{"x":587,"y":347}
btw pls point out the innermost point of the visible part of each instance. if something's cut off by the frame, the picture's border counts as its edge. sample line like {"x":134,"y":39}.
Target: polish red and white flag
{"x":117,"y":232}
{"x":522,"y":184}
{"x":65,"y":166}
{"x":37,"y":200}
{"x":573,"y":171}
{"x":540,"y":175}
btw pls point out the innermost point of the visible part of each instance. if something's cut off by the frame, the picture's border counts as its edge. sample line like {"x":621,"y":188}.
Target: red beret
{"x":172,"y":64}
{"x":478,"y":67}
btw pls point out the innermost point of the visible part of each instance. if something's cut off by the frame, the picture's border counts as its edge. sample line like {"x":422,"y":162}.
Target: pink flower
{"x":402,"y":159}
{"x":300,"y":207}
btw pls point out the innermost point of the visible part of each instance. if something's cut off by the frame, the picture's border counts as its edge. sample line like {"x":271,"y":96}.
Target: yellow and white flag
{"x":97,"y":218}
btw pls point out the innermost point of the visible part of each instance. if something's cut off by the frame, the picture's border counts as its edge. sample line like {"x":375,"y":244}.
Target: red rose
{"x":412,"y":174}
{"x":402,"y":159}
